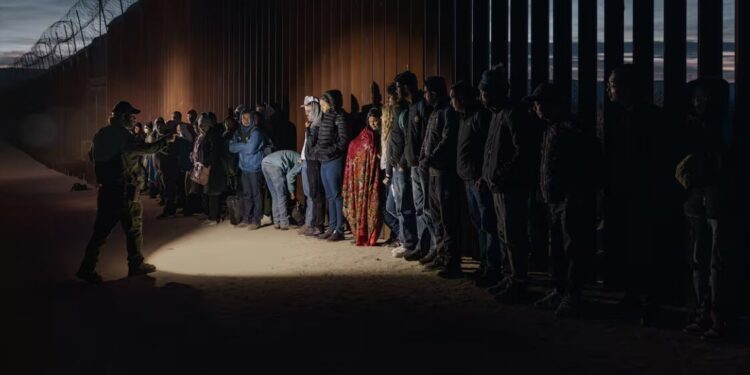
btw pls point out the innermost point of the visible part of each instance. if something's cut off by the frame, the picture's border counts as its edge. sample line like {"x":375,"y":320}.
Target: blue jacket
{"x":290,"y":164}
{"x":248,"y":143}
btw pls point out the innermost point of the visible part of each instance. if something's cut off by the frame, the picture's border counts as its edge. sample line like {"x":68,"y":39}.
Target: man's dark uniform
{"x":116,"y":154}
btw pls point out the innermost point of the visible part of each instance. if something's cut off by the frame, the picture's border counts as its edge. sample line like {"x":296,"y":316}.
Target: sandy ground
{"x":230,"y":301}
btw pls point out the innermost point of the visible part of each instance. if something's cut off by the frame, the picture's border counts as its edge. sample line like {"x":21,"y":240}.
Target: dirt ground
{"x":231,"y":301}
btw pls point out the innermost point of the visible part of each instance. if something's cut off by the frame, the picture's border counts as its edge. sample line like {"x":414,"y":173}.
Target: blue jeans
{"x":308,"y":198}
{"x":420,"y":183}
{"x":482,"y":214}
{"x":279,"y":196}
{"x":332,"y":172}
{"x":252,"y":195}
{"x":402,"y":198}
{"x":390,"y":216}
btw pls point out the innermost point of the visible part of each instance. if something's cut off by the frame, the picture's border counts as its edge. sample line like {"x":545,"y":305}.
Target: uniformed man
{"x":116,"y":154}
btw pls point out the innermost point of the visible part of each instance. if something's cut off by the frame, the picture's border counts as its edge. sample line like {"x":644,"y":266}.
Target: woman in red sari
{"x":361,"y":178}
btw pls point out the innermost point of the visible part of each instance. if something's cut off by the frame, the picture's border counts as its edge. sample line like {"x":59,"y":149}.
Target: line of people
{"x":410,"y":163}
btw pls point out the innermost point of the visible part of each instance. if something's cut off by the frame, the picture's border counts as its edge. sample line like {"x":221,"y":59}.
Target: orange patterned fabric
{"x":361,"y":192}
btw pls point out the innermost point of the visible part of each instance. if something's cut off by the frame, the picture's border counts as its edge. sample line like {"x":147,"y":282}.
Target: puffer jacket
{"x":329,"y":140}
{"x":248,"y":143}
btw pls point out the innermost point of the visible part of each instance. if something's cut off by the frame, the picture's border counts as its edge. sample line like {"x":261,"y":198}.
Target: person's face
{"x":700,"y":101}
{"x":260,"y":108}
{"x":402,"y":90}
{"x":128,"y":120}
{"x":147,"y":130}
{"x":456,"y":102}
{"x":192,"y":117}
{"x":374,"y":122}
{"x":246,"y":119}
{"x":429,"y":96}
{"x":487,"y":99}
{"x":204,"y":127}
{"x":324,"y":105}
{"x":136,"y":129}
{"x":546,"y":110}
{"x":392,"y":100}
{"x":308,"y":112}
{"x":176,"y":116}
{"x":618,"y":91}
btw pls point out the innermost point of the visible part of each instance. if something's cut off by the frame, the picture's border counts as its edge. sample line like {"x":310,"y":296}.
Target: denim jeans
{"x":389,"y":212}
{"x":332,"y":172}
{"x":420,"y":187}
{"x":252,"y":195}
{"x":482,"y":215}
{"x":279,"y":196}
{"x":308,"y":197}
{"x":403,"y":200}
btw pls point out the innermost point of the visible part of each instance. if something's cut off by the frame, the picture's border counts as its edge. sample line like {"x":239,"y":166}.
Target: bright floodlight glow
{"x":228,"y":251}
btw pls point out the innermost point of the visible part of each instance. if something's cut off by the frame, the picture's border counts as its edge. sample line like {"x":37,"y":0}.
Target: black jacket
{"x":328,"y":141}
{"x":511,"y":151}
{"x":397,"y":138}
{"x":415,"y":130}
{"x":472,"y":135}
{"x":571,"y":161}
{"x":438,"y":151}
{"x":214,"y":153}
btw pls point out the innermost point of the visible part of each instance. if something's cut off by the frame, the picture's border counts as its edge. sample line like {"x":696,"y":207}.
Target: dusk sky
{"x":23,"y":21}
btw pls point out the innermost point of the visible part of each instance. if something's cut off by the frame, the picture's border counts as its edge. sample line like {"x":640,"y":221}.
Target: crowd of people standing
{"x":409,"y":161}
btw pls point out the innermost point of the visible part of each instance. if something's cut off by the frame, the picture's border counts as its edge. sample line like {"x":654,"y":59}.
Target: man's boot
{"x":141,"y":269}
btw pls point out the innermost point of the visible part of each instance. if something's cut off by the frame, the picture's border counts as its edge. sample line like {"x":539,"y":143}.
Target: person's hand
{"x":478,"y":183}
{"x":386,"y":180}
{"x":292,"y":196}
{"x":308,"y":124}
{"x":172,"y":137}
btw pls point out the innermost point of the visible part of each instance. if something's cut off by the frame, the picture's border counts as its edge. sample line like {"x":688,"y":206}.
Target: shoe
{"x":568,"y":308}
{"x":395,"y":244}
{"x":276,"y":226}
{"x":451,"y":272}
{"x":303,"y":229}
{"x":414,"y":255}
{"x":313,"y":232}
{"x":283,"y":227}
{"x":210,"y":223}
{"x":335,"y":237}
{"x":141,"y":269}
{"x":428,"y":258}
{"x":550,"y":302}
{"x":399,"y":252}
{"x":501,"y":285}
{"x":325,"y":235}
{"x":487,"y":280}
{"x":714,"y":334}
{"x":90,"y":277}
{"x":242,"y":224}
{"x":253,"y":226}
{"x":514,"y":293}
{"x":436,"y":265}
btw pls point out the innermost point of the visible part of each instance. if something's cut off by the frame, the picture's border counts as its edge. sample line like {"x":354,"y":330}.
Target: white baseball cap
{"x":308,"y":100}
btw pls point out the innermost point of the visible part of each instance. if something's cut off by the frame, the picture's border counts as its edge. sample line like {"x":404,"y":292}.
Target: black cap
{"x":125,"y":107}
{"x":543,"y":93}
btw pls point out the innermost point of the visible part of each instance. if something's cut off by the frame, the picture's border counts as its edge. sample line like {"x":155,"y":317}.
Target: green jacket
{"x":116,"y":154}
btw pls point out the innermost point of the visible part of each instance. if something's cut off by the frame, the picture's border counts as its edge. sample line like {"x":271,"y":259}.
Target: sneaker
{"x":714,"y":334}
{"x":242,"y":224}
{"x":550,"y":302}
{"x":335,"y":237}
{"x":283,"y":227}
{"x":399,"y":252}
{"x":514,"y":293}
{"x":141,"y":269}
{"x":698,"y":327}
{"x":253,"y":226}
{"x":90,"y":277}
{"x":303,"y":229}
{"x":210,"y":223}
{"x":568,"y":308}
{"x":276,"y":226}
